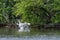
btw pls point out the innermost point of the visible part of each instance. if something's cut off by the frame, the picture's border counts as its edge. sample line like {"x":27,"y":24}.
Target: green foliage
{"x":56,"y":18}
{"x":33,"y":11}
{"x":5,"y":10}
{"x":27,"y":10}
{"x":37,"y":11}
{"x":54,"y":9}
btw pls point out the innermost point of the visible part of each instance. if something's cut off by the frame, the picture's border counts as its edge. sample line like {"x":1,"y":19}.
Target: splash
{"x":23,"y":27}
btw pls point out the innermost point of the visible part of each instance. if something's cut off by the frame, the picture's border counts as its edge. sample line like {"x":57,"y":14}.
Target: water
{"x":49,"y":36}
{"x":40,"y":37}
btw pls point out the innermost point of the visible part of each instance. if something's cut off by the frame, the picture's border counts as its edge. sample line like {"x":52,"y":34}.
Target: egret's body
{"x":23,"y":26}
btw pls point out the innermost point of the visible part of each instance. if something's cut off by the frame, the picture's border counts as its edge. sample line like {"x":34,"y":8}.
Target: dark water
{"x":37,"y":37}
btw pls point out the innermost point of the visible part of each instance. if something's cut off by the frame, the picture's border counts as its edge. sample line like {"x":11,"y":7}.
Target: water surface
{"x":37,"y":37}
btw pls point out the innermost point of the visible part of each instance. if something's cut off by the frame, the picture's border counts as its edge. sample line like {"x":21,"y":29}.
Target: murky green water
{"x":35,"y":34}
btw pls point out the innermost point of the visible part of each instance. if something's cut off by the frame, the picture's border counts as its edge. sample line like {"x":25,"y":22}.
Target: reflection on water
{"x":41,"y":37}
{"x":32,"y":35}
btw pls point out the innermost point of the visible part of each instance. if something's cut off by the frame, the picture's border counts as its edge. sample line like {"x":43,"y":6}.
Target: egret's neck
{"x":19,"y":21}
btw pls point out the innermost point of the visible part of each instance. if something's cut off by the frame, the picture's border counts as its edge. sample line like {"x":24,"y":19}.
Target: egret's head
{"x":28,"y":23}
